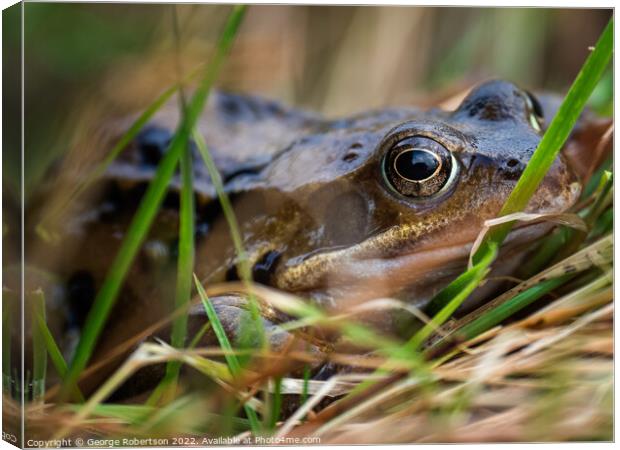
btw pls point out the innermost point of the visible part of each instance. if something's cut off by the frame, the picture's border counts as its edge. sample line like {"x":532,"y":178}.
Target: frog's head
{"x":394,"y":199}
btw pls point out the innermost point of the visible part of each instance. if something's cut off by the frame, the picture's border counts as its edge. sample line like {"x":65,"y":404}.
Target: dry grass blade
{"x":567,"y":219}
{"x":587,"y":297}
{"x":579,"y":323}
{"x":296,"y":386}
{"x":327,"y":388}
{"x":142,"y":356}
{"x":598,"y":254}
{"x":393,"y":391}
{"x":149,"y":354}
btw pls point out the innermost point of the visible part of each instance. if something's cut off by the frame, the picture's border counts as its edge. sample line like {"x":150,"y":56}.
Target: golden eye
{"x":417,"y":166}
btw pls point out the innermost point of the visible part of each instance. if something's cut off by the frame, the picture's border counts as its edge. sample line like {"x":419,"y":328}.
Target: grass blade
{"x":449,"y":298}
{"x":136,"y":234}
{"x":466,"y":284}
{"x":185,"y":266}
{"x":495,"y":311}
{"x":557,"y":133}
{"x":54,"y":352}
{"x":603,"y":198}
{"x":547,"y":150}
{"x":149,"y":206}
{"x":507,"y":309}
{"x":100,"y":169}
{"x":231,"y":358}
{"x":122,"y":143}
{"x":304,"y":393}
{"x":276,"y":406}
{"x":243,"y":264}
{"x":218,"y":330}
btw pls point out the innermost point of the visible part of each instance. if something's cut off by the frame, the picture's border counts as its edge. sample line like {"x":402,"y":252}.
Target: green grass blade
{"x":199,"y":335}
{"x":557,"y":133}
{"x":306,"y":385}
{"x":595,"y":179}
{"x":566,"y":241}
{"x":598,"y":254}
{"x":604,"y":224}
{"x":231,"y":358}
{"x":54,"y":352}
{"x":453,"y":289}
{"x":518,"y":302}
{"x":495,"y":316}
{"x":467,"y":283}
{"x":185,"y":266}
{"x":547,"y":150}
{"x":149,"y":206}
{"x":100,"y":169}
{"x":603,"y":198}
{"x":233,"y":225}
{"x":218,"y":330}
{"x":122,"y":143}
{"x":276,"y":405}
{"x":186,"y":252}
{"x":546,"y":252}
{"x":126,"y":413}
{"x":136,"y":234}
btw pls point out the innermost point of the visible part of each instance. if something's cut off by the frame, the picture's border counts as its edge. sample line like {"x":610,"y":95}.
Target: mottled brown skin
{"x":317,"y":214}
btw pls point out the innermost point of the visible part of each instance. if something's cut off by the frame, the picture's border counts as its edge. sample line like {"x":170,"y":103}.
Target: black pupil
{"x":416,"y":165}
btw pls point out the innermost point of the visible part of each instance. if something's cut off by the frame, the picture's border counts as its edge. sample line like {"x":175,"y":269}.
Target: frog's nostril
{"x":350,"y":156}
{"x":153,"y":142}
{"x":512,"y":162}
{"x":264,"y":267}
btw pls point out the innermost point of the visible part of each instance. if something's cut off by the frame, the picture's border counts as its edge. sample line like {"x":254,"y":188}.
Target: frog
{"x":337,"y":212}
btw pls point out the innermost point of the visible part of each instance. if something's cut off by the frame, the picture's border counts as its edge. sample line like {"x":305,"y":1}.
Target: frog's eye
{"x":417,"y":166}
{"x":534,"y":111}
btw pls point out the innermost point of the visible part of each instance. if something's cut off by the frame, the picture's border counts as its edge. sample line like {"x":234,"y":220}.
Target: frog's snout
{"x":559,"y":190}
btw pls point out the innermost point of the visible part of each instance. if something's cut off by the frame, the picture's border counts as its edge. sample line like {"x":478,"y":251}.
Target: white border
{"x":510,"y":3}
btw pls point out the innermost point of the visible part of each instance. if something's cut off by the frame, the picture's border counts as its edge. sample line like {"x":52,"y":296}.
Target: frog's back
{"x":242,"y":133}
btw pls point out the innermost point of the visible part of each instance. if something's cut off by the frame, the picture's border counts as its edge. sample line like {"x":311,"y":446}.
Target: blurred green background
{"x":88,"y":63}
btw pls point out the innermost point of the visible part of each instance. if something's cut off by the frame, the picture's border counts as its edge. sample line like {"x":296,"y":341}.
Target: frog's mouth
{"x":371,"y":276}
{"x":397,"y":259}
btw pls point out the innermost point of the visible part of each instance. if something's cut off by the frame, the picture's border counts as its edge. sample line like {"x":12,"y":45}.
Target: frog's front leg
{"x":241,"y":330}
